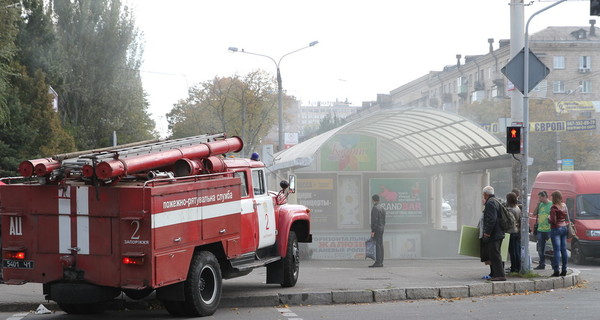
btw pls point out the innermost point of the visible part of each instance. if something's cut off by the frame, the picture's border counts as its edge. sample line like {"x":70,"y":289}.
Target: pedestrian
{"x":493,"y":234}
{"x":377,"y":226}
{"x":558,"y":233}
{"x":517,"y":192}
{"x":542,"y":227}
{"x":514,"y":245}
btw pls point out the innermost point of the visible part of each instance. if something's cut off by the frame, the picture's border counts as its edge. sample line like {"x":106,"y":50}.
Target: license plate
{"x":17,"y":264}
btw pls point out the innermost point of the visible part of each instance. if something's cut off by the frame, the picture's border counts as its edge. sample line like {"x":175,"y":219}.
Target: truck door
{"x":263,"y":205}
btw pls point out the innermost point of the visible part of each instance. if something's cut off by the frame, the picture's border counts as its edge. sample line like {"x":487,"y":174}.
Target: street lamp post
{"x":279,"y":85}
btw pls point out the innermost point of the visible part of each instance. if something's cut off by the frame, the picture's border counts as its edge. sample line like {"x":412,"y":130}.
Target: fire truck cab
{"x":171,"y":216}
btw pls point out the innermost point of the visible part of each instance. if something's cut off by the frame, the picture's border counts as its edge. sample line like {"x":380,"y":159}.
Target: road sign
{"x":514,"y":70}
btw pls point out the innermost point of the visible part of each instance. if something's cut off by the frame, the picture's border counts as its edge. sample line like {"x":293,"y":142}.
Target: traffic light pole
{"x":525,"y":260}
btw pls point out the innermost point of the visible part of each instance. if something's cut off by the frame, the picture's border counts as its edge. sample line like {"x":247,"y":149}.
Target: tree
{"x":243,"y":106}
{"x":102,"y":92}
{"x":9,"y":15}
{"x":542,"y":145}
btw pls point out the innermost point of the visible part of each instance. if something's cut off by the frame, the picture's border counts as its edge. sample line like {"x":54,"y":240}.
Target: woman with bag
{"x":558,"y":233}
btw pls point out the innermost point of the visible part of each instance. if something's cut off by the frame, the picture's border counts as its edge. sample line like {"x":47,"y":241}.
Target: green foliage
{"x":8,"y":32}
{"x":243,"y":106}
{"x":102,"y":92}
{"x":577,"y":145}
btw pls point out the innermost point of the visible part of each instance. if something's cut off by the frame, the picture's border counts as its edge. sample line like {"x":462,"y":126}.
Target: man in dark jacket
{"x":377,"y":226}
{"x":492,"y":233}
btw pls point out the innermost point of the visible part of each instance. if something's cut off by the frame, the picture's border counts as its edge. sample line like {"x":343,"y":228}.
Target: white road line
{"x":286,"y":312}
{"x":17,"y":316}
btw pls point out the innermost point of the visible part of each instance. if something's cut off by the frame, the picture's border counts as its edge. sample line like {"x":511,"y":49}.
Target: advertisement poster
{"x":349,"y":152}
{"x":404,"y":200}
{"x":347,"y":246}
{"x":318,"y":192}
{"x":350,"y":215}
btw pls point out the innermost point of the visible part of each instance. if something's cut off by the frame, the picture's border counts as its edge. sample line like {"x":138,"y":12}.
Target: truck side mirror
{"x":292,"y":181}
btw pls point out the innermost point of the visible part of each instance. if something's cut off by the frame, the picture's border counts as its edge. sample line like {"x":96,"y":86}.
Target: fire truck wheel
{"x":174,"y":308}
{"x":291,"y":262}
{"x":82,"y":308}
{"x":137,"y":294}
{"x":203,"y":285}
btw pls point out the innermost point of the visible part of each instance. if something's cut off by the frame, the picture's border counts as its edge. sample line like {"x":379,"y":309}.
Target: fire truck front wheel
{"x":203,"y":285}
{"x":291,"y":262}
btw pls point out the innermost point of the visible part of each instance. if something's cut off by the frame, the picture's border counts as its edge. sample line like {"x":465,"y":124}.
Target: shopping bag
{"x":370,"y":249}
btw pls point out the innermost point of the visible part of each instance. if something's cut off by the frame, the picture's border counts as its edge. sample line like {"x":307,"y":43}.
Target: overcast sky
{"x":365,"y":47}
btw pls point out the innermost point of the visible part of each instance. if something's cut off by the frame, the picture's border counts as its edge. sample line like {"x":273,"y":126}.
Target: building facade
{"x":571,"y":53}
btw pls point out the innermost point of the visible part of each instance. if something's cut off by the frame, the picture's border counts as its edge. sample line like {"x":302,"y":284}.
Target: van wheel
{"x":291,"y":262}
{"x":203,"y":286}
{"x":576,"y":254}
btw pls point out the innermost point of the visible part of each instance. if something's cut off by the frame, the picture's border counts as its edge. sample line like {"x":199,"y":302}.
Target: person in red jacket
{"x":558,"y":233}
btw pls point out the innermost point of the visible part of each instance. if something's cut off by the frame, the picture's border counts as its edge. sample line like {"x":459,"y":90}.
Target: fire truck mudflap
{"x":145,"y":217}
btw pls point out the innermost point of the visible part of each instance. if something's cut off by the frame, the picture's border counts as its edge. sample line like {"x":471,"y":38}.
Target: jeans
{"x":542,"y":237}
{"x":559,"y":245}
{"x":514,"y":250}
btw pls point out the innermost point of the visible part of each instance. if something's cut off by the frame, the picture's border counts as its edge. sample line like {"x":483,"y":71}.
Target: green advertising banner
{"x":404,"y":200}
{"x":349,"y":152}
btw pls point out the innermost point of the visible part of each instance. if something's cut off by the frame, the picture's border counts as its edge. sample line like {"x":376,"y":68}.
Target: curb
{"x":349,"y":296}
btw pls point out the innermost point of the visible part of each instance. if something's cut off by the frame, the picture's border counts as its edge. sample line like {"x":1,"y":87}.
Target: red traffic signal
{"x":513,"y":140}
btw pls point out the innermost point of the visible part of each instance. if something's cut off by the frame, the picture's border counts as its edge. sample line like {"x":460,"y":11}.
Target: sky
{"x":365,"y":47}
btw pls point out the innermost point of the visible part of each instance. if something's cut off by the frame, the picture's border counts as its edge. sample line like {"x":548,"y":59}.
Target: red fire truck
{"x":174,"y":216}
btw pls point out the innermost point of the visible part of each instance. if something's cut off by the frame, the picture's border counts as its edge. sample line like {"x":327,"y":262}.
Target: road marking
{"x":17,"y":316}
{"x":286,"y":312}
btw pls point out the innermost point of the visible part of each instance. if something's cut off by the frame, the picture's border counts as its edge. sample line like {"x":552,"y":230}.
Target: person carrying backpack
{"x":492,"y":234}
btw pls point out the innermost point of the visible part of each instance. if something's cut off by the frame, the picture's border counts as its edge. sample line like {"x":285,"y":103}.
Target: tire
{"x":137,"y":294}
{"x":82,"y":308}
{"x":203,"y":286}
{"x":291,"y":262}
{"x":174,"y":308}
{"x":577,"y":255}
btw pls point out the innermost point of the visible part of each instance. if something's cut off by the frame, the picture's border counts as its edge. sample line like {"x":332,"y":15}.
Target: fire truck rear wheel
{"x":291,"y":262}
{"x":203,"y":285}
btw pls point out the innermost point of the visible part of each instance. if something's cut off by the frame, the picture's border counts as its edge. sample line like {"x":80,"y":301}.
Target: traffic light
{"x":594,"y":7}
{"x":513,"y":140}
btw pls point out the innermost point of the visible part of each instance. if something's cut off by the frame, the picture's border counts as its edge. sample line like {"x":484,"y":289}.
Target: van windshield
{"x":588,"y":206}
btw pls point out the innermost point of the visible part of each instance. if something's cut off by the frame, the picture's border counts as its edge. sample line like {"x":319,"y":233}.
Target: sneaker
{"x":555,"y":274}
{"x":564,"y":273}
{"x":376,"y":265}
{"x":486,"y":277}
{"x":540,"y":267}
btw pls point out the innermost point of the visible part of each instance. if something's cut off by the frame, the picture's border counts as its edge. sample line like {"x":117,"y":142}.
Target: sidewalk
{"x":347,"y":281}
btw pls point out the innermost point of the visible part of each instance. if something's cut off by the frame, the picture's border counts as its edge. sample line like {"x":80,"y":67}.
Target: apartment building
{"x":571,"y":53}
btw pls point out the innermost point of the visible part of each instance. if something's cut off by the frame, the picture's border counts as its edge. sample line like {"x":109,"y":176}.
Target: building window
{"x":558,"y":86}
{"x":585,"y":63}
{"x":559,"y":62}
{"x":586,"y":86}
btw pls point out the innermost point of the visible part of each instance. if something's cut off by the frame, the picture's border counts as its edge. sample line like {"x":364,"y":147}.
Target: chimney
{"x":458,"y":60}
{"x":491,"y":41}
{"x":504,"y":42}
{"x":592,"y":28}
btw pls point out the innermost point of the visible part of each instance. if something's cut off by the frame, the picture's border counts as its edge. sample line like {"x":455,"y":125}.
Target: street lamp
{"x":279,"y":84}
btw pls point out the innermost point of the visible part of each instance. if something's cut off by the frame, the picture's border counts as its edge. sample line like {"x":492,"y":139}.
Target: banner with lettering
{"x":318,"y":192}
{"x":349,"y":152}
{"x":404,"y":200}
